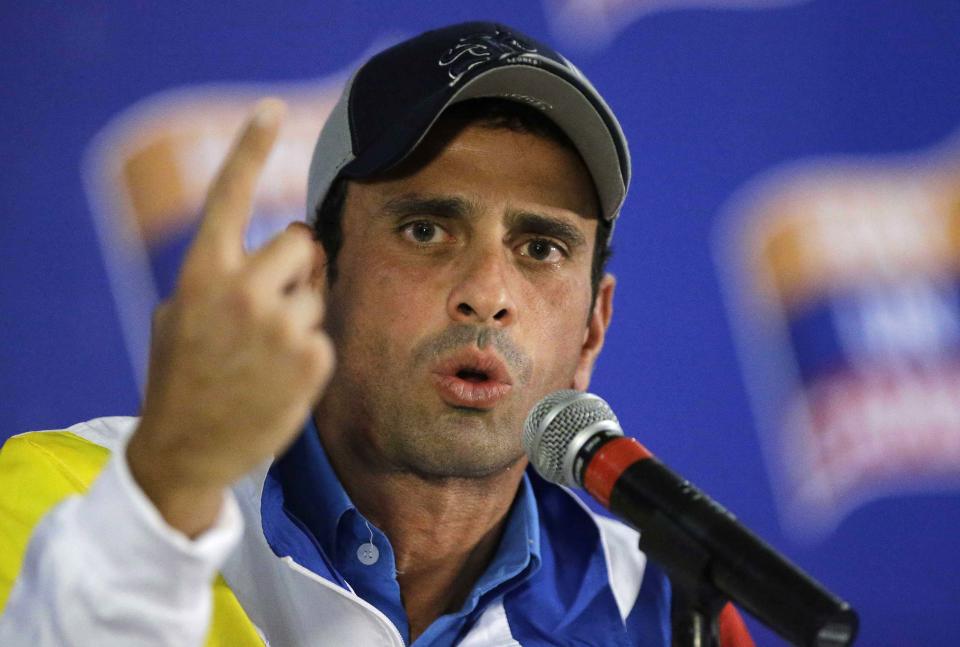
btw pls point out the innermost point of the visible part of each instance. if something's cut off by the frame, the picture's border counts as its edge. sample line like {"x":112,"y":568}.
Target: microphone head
{"x":557,"y":428}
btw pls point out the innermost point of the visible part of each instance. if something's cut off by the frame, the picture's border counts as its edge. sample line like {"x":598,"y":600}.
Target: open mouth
{"x":472,"y":380}
{"x":470,"y":375}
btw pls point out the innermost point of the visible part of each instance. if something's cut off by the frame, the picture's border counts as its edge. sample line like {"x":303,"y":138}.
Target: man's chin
{"x":449,"y":468}
{"x":461,"y":443}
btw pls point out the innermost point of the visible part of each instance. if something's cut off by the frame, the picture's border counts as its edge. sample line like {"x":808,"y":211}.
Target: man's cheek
{"x":560,"y":342}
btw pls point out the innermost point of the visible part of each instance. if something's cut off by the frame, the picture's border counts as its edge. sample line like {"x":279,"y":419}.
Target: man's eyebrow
{"x":535,"y":223}
{"x":433,"y":205}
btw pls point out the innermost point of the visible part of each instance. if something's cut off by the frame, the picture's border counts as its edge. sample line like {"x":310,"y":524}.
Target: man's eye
{"x":423,"y":232}
{"x":541,"y":249}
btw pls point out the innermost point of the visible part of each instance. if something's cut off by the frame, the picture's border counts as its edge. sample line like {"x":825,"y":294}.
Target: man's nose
{"x":482,"y":294}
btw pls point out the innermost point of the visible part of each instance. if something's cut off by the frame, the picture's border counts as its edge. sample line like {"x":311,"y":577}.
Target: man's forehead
{"x":447,"y":205}
{"x":388,"y":207}
{"x":477,"y":164}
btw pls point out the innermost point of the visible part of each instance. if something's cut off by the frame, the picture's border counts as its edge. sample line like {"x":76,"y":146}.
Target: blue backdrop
{"x":787,"y":328}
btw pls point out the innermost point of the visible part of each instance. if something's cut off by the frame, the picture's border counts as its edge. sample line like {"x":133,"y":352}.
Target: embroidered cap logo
{"x":477,"y":49}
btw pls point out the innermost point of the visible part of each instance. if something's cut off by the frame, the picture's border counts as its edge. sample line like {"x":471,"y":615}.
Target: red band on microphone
{"x":608,"y":464}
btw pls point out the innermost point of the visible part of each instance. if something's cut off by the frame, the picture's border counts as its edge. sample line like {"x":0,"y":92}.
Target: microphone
{"x":574,"y":439}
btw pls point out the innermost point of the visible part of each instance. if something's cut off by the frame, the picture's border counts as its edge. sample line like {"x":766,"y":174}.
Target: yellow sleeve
{"x":37,"y":471}
{"x":40,"y":469}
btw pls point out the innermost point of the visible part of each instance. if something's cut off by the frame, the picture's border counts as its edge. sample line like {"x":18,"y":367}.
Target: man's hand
{"x":237,"y":356}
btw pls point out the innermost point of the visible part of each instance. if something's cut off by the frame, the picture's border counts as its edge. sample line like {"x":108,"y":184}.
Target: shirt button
{"x":368,"y":554}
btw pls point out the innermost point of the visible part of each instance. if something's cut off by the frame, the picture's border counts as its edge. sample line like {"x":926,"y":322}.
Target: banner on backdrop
{"x":843,"y":278}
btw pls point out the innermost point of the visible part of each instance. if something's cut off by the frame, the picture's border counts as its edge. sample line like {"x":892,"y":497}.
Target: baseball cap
{"x":390,"y":103}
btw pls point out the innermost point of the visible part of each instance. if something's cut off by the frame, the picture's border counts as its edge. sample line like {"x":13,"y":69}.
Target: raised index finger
{"x":229,"y":201}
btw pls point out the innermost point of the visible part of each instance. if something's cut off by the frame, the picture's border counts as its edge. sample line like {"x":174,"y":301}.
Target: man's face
{"x":463,"y":296}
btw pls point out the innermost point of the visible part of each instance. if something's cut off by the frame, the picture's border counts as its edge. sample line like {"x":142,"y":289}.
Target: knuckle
{"x":287,"y":333}
{"x":313,"y":307}
{"x":301,"y":229}
{"x":198,"y":279}
{"x":161,"y":323}
{"x":282,"y":333}
{"x":243,"y":302}
{"x":295,"y":243}
{"x":318,"y":358}
{"x":189,"y":285}
{"x":160,"y":314}
{"x":301,"y":245}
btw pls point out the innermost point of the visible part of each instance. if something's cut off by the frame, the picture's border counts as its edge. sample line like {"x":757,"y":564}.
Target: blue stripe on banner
{"x":910,"y":324}
{"x":815,"y":343}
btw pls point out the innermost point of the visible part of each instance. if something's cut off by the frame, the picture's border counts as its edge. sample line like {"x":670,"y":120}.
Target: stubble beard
{"x":424,"y":437}
{"x":456,"y":444}
{"x":394,"y":421}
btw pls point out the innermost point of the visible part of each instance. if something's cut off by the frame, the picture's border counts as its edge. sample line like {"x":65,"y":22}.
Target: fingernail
{"x":268,"y":112}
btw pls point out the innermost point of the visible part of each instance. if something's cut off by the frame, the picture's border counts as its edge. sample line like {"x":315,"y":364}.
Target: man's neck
{"x":444,"y":532}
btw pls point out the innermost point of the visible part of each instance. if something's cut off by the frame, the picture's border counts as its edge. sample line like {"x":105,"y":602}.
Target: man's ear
{"x":595,"y":333}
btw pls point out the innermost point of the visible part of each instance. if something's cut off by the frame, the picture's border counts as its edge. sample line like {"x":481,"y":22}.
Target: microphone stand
{"x":695,"y":604}
{"x":693,"y":617}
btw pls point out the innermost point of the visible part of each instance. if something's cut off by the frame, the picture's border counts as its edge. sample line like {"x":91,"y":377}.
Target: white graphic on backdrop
{"x":592,"y":24}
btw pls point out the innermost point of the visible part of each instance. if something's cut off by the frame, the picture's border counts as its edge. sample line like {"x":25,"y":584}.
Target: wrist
{"x":185,"y":505}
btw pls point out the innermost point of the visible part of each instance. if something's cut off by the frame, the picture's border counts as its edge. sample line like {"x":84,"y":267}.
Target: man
{"x":463,"y":193}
